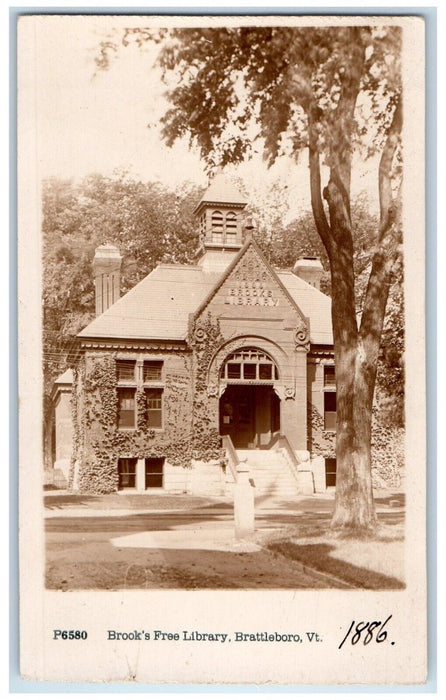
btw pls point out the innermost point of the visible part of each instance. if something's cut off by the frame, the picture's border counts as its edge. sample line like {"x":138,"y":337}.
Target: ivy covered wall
{"x":206,"y":338}
{"x":98,"y":443}
{"x":321,"y":443}
{"x":387,"y":440}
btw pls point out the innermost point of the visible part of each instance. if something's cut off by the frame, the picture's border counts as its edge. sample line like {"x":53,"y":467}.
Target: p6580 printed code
{"x":69,"y":634}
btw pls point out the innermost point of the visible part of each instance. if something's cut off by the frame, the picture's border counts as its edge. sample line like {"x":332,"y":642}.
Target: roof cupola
{"x":220,"y":215}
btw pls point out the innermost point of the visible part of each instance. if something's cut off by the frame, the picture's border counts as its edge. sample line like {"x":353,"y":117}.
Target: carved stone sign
{"x":251,"y":294}
{"x":251,"y":284}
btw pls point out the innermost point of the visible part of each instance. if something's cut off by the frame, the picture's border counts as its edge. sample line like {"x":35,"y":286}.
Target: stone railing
{"x":288,"y":452}
{"x":232,"y":459}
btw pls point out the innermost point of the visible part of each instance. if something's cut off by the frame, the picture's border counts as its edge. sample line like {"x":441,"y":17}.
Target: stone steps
{"x":270,"y":472}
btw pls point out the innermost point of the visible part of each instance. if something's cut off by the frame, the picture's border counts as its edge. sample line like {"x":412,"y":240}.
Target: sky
{"x":90,"y":120}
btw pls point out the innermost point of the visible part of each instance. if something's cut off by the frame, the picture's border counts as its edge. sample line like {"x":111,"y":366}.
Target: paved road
{"x":194,"y":548}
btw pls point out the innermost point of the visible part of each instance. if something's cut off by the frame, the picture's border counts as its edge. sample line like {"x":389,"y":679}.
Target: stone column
{"x":293,"y":409}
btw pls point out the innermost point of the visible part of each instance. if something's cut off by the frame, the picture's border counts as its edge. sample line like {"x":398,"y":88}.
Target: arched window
{"x":231,"y":227}
{"x":249,"y":365}
{"x":217,"y":227}
{"x":224,"y":227}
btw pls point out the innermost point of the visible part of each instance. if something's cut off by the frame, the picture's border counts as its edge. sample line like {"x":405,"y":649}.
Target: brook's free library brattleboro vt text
{"x":199,"y":368}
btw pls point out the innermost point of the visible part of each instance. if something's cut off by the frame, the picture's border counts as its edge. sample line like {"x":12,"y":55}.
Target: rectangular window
{"x":127,"y":473}
{"x":329,"y":375}
{"x":154,"y":398}
{"x":217,"y":226}
{"x":152,"y":370}
{"x":231,"y":228}
{"x":233,"y":370}
{"x":265,"y":371}
{"x":125,"y":370}
{"x":154,"y":473}
{"x":249,"y":370}
{"x":126,"y":408}
{"x":330,"y":472}
{"x":330,"y":410}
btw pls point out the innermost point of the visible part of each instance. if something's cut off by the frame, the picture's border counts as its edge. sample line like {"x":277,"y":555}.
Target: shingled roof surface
{"x":223,"y":191}
{"x":314,"y":305}
{"x":158,"y":307}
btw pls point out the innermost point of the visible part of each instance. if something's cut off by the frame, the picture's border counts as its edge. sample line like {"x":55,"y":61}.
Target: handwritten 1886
{"x":366,"y":632}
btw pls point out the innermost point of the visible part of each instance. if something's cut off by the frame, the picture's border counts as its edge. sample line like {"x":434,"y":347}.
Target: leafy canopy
{"x":230,"y":85}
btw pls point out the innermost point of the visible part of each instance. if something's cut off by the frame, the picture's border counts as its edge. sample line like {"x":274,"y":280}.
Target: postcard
{"x":222,"y":427}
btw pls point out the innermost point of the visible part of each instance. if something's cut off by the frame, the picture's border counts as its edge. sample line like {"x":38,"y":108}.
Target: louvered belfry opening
{"x":220,"y":213}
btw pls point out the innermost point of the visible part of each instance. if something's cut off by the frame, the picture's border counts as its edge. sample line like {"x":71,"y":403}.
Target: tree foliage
{"x":146,"y":221}
{"x":229,"y":85}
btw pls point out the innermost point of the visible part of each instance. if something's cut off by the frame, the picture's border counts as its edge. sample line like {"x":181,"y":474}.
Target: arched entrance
{"x":249,"y":406}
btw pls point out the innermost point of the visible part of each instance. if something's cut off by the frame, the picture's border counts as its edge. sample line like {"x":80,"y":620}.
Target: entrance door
{"x":237,"y":415}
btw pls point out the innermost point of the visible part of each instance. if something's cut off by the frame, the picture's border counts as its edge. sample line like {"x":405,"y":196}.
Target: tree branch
{"x":388,"y":238}
{"x":385,"y":166}
{"x":317,"y":204}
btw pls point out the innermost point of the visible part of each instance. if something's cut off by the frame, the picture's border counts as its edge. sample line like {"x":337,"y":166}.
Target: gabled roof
{"x":221,"y":191}
{"x":158,"y":308}
{"x":250,"y":243}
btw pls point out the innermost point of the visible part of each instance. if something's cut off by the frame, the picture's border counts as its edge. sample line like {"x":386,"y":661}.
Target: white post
{"x":243,"y":504}
{"x":140,"y":475}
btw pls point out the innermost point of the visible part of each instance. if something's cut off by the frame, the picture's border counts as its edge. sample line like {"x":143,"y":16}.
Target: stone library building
{"x":200,"y":368}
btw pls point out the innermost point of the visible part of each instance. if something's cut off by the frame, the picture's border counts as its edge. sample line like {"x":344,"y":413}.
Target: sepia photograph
{"x":227,"y":233}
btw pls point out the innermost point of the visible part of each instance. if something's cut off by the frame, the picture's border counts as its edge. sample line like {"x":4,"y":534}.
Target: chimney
{"x":309,"y":268}
{"x":249,"y":226}
{"x":106,"y":268}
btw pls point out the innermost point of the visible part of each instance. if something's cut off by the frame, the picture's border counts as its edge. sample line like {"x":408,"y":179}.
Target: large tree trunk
{"x":354,"y":506}
{"x":355,"y":379}
{"x":356,"y":353}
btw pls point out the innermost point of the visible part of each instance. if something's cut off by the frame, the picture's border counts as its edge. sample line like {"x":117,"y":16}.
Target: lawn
{"x":375,"y":561}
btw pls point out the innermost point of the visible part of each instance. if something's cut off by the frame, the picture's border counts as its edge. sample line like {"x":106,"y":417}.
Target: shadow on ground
{"x":133,"y":501}
{"x":140,"y":522}
{"x":318,"y":556}
{"x":177,"y":568}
